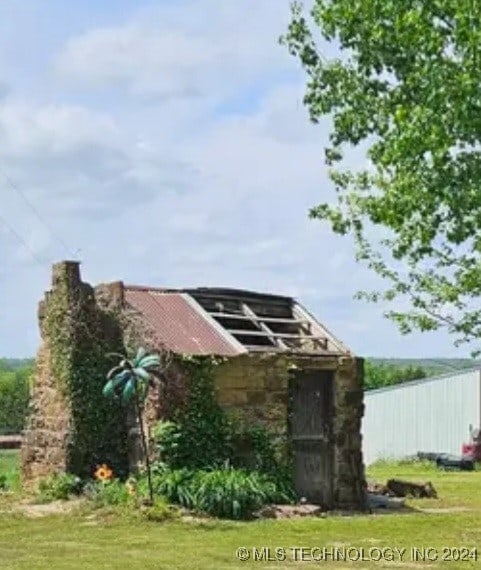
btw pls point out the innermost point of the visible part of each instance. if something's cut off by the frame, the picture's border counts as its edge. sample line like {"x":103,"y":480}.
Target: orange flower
{"x":103,"y":473}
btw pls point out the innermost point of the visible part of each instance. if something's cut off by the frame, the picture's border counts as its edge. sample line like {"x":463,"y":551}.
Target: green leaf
{"x":141,"y":373}
{"x":114,"y":383}
{"x":113,"y":371}
{"x":129,"y":390}
{"x":140,"y":354}
{"x":149,"y":360}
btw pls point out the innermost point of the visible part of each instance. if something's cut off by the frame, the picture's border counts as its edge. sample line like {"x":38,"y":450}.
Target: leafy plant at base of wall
{"x":235,"y":493}
{"x":204,"y":436}
{"x":176,"y":485}
{"x":265,"y":455}
{"x":129,"y":381}
{"x":109,"y":493}
{"x":251,"y":447}
{"x":256,"y":448}
{"x":224,"y":493}
{"x":59,"y":487}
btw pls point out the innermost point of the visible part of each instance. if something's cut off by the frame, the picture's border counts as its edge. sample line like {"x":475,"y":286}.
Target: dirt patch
{"x":54,"y":508}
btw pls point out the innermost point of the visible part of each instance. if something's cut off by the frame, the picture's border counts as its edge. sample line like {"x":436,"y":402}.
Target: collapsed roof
{"x":229,"y":322}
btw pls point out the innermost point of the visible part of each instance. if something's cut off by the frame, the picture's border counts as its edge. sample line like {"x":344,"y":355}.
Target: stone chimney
{"x":72,"y":427}
{"x":66,"y":273}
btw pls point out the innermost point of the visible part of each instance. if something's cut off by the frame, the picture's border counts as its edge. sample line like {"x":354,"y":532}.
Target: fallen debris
{"x":400,"y":488}
{"x":289,"y":511}
{"x":384,"y":502}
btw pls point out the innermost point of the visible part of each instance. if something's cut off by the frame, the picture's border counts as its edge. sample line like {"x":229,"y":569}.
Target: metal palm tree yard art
{"x":129,"y":381}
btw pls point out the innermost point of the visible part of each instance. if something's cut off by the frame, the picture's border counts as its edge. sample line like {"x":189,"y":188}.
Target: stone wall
{"x":44,"y":446}
{"x":71,"y":426}
{"x":255,"y":388}
{"x":350,"y":484}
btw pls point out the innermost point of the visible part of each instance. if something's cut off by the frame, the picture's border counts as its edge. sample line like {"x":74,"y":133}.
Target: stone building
{"x":281,"y":368}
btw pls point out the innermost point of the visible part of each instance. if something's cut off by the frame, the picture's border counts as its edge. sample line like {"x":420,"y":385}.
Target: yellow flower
{"x":103,"y":473}
{"x":131,"y":487}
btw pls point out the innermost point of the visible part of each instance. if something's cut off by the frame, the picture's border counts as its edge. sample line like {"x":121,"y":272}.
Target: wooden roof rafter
{"x":266,"y":330}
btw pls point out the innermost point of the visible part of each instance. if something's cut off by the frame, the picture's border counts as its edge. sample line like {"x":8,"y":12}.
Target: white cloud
{"x":208,"y":184}
{"x":53,"y":129}
{"x":206,"y":50}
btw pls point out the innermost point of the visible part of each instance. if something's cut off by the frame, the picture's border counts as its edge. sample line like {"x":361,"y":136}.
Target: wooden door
{"x":311,"y":417}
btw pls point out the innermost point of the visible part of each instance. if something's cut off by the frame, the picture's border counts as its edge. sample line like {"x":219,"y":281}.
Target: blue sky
{"x":165,"y":143}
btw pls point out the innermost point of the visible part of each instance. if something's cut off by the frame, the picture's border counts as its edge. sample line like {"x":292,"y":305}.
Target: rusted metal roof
{"x":179,"y":323}
{"x":229,"y":322}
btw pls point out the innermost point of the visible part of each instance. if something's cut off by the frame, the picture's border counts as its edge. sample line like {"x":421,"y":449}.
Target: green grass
{"x":83,"y":540}
{"x":9,"y":467}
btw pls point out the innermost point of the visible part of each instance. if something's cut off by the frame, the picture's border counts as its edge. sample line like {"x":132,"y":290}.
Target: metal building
{"x":430,"y":415}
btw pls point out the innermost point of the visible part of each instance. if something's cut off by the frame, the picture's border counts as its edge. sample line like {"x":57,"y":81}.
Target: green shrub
{"x":109,"y":493}
{"x":166,"y":436}
{"x":203,"y":437}
{"x":59,"y":487}
{"x":176,"y":485}
{"x":250,"y":447}
{"x":256,"y":448}
{"x":235,"y":493}
{"x":224,"y":493}
{"x":160,"y":511}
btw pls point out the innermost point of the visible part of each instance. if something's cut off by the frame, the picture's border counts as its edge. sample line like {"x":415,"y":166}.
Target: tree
{"x":380,"y":375}
{"x":129,"y":381}
{"x":14,"y":397}
{"x":407,"y":87}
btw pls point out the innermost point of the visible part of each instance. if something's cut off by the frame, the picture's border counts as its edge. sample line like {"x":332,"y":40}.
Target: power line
{"x":16,"y":188}
{"x":22,"y":241}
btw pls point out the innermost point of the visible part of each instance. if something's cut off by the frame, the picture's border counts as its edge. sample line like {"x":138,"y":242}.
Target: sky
{"x":165,"y":143}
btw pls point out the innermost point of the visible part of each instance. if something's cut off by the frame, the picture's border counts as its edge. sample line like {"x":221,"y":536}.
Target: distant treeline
{"x":380,"y":372}
{"x":380,"y":375}
{"x":15,"y":377}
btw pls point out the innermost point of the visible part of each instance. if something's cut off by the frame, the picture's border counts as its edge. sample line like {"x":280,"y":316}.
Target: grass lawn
{"x":82,"y":541}
{"x":9,"y":467}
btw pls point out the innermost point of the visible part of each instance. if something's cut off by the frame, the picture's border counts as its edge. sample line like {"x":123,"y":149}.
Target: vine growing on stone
{"x":74,"y":332}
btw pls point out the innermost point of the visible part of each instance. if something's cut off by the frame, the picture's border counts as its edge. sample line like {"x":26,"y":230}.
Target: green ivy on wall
{"x":204,"y":438}
{"x":79,"y":335}
{"x":202,"y":435}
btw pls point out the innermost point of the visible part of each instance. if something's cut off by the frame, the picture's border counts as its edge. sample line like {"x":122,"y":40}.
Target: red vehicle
{"x":473,"y":448}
